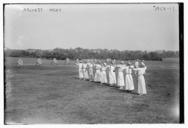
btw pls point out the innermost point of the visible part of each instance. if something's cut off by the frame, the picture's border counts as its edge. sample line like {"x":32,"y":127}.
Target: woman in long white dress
{"x":80,"y":71}
{"x":112,"y":75}
{"x":103,"y":78}
{"x":85,"y":71}
{"x":116,"y":70}
{"x":121,"y":82}
{"x":129,"y":84}
{"x":140,"y":71}
{"x":90,"y":66}
{"x":108,"y":73}
{"x":94,"y":70}
{"x":97,"y":73}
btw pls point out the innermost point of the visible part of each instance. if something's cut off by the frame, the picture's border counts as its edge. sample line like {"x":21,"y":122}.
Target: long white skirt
{"x":86,"y":75}
{"x":107,"y":76}
{"x":112,"y":78}
{"x":141,"y":85}
{"x":120,"y":82}
{"x":116,"y":74}
{"x":81,"y":75}
{"x":97,"y":76}
{"x":103,"y":77}
{"x":129,"y":84}
{"x":90,"y":74}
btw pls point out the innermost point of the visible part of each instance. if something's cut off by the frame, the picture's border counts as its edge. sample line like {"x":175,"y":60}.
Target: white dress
{"x":129,"y":84}
{"x":94,"y":70}
{"x":103,"y":75}
{"x":141,"y":80}
{"x":112,"y":75}
{"x":85,"y":71}
{"x":121,"y":82}
{"x":97,"y":73}
{"x":108,"y":73}
{"x":90,"y":66}
{"x":116,"y":70}
{"x":80,"y":71}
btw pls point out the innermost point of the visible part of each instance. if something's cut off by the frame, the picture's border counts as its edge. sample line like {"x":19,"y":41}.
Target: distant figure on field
{"x":39,"y":61}
{"x":54,"y":61}
{"x":20,"y":62}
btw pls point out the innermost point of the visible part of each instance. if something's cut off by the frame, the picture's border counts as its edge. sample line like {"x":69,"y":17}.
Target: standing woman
{"x":80,"y":71}
{"x":128,"y":78}
{"x":112,"y":75}
{"x":108,"y":73}
{"x":116,"y":70}
{"x":94,"y":69}
{"x":90,"y":71}
{"x":97,"y":73}
{"x":121,"y":82}
{"x":103,"y":73}
{"x":85,"y":71}
{"x":140,"y":71}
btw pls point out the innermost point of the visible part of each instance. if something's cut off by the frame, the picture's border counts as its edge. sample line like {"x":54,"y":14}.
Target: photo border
{"x":181,"y":48}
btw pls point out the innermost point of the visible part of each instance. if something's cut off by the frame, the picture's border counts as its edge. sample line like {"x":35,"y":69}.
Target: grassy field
{"x":53,"y":94}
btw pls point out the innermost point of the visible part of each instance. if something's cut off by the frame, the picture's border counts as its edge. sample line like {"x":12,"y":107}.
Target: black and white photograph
{"x":93,"y":63}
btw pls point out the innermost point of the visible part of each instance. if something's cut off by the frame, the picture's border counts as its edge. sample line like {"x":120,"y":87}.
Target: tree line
{"x":81,"y":53}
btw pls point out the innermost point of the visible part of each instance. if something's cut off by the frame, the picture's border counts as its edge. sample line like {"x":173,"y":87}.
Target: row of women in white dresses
{"x":114,"y":75}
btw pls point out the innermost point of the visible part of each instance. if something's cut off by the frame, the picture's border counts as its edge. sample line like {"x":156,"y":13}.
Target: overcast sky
{"x":110,"y":26}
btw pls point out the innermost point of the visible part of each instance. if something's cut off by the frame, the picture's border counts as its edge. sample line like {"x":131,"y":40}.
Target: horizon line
{"x":89,"y":49}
